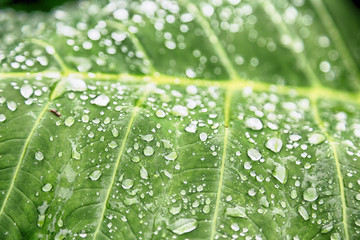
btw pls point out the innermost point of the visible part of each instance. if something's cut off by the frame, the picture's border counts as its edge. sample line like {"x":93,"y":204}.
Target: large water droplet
{"x":254,"y":124}
{"x":11,"y":106}
{"x":160,"y":113}
{"x":39,"y":156}
{"x":303,"y":213}
{"x":183,"y":225}
{"x":69,"y":121}
{"x":171,"y":156}
{"x":26,"y":91}
{"x":47,"y":187}
{"x":2,"y":117}
{"x":280,"y":173}
{"x":316,"y":138}
{"x":203,"y":136}
{"x":102,"y":100}
{"x":237,"y":211}
{"x":95,"y":175}
{"x":310,"y":194}
{"x":112,"y":144}
{"x":144,"y":173}
{"x":147,"y":137}
{"x":274,"y":144}
{"x":127,"y":183}
{"x":179,"y":110}
{"x":254,"y":154}
{"x":148,"y":151}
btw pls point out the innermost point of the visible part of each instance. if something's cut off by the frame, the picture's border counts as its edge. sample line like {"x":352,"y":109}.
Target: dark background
{"x":47,"y":5}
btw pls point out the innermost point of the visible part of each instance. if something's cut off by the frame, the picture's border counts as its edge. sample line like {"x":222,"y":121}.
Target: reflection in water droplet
{"x":303,"y":213}
{"x":47,"y":187}
{"x":69,"y":121}
{"x":254,"y":124}
{"x":102,"y":100}
{"x":39,"y":156}
{"x":26,"y":91}
{"x":310,"y":194}
{"x":148,"y":151}
{"x":274,"y":144}
{"x":11,"y":106}
{"x":254,"y":154}
{"x":112,"y":144}
{"x":127,"y":183}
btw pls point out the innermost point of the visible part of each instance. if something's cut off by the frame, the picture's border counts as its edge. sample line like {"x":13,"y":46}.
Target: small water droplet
{"x":147,"y":137}
{"x":136,"y":159}
{"x":95,"y":175}
{"x":327,"y":228}
{"x":144,"y":173}
{"x":2,"y":117}
{"x":254,"y":124}
{"x":280,"y":173}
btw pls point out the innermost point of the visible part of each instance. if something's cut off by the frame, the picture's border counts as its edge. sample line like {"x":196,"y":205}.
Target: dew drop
{"x":303,"y":213}
{"x":11,"y":105}
{"x":236,"y":212}
{"x":280,"y":173}
{"x":183,"y":225}
{"x":39,"y":156}
{"x":254,"y":154}
{"x":69,"y":121}
{"x":274,"y":144}
{"x":47,"y":187}
{"x":203,"y":136}
{"x":316,"y":138}
{"x":254,"y":124}
{"x":26,"y":91}
{"x":191,"y":128}
{"x":310,"y":194}
{"x":95,"y":175}
{"x":148,"y":151}
{"x":160,"y":113}
{"x":144,"y":173}
{"x":179,"y":110}
{"x":327,"y":228}
{"x":171,"y":156}
{"x":147,"y":137}
{"x":112,"y":144}
{"x":127,"y":183}
{"x":102,"y":100}
{"x":2,"y":117}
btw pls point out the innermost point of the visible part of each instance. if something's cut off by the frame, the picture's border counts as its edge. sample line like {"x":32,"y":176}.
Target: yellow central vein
{"x":22,"y":156}
{"x":338,"y":41}
{"x":319,"y":122}
{"x":223,"y":56}
{"x":118,"y":159}
{"x":222,"y":167}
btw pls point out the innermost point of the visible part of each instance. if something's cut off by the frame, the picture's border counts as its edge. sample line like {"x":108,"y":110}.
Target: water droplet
{"x":316,"y":138}
{"x":47,"y":187}
{"x":274,"y":144}
{"x":191,"y":89}
{"x":183,"y":225}
{"x":147,"y":137}
{"x":254,"y":124}
{"x":102,"y":100}
{"x":76,"y":84}
{"x":295,"y":137}
{"x":335,"y":236}
{"x":171,"y":156}
{"x":112,"y":144}
{"x":144,"y":173}
{"x":175,"y":210}
{"x":26,"y":91}
{"x":203,"y":136}
{"x":39,"y":156}
{"x":2,"y":117}
{"x":235,"y":227}
{"x":179,"y":110}
{"x":254,"y":154}
{"x":160,"y":113}
{"x":191,"y":128}
{"x":236,"y":212}
{"x":280,"y":173}
{"x":127,"y":183}
{"x":11,"y":106}
{"x":303,"y":213}
{"x":95,"y":175}
{"x":136,"y":159}
{"x":327,"y":228}
{"x":69,"y":121}
{"x":310,"y":194}
{"x":148,"y":151}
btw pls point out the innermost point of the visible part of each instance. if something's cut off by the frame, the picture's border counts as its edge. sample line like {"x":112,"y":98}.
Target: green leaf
{"x":181,"y":120}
